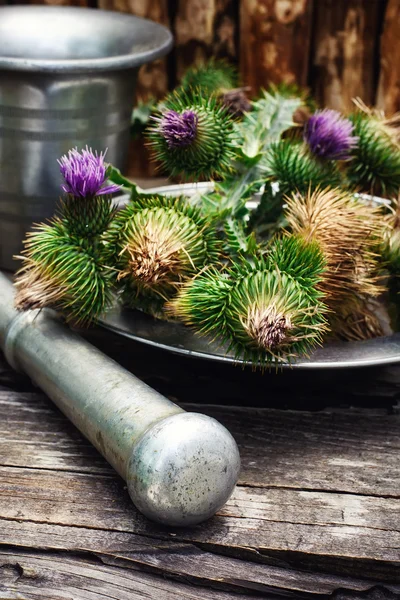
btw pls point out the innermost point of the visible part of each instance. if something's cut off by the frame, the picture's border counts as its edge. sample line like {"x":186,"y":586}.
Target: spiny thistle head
{"x":260,"y":312}
{"x":157,"y":243}
{"x":297,"y":170}
{"x":348,"y":232}
{"x":192,"y":136}
{"x":375,"y":167}
{"x":61,"y":274}
{"x":85,"y":174}
{"x":329,"y":135}
{"x":211,"y":77}
{"x":300,"y":258}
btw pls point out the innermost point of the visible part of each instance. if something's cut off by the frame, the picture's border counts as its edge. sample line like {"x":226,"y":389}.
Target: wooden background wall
{"x":338,"y":48}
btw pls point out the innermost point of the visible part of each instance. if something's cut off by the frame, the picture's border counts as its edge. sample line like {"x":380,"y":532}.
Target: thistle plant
{"x":296,"y":169}
{"x":192,"y":136}
{"x":59,"y":272}
{"x":87,"y":208}
{"x":62,"y":267}
{"x":263,"y":310}
{"x":349,"y":233}
{"x":357,"y":321}
{"x":154,"y":244}
{"x":214,"y":76}
{"x":329,"y":135}
{"x":375,"y":167}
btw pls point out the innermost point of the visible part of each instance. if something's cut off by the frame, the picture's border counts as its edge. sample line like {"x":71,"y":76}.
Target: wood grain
{"x":52,"y":2}
{"x":345,"y":49}
{"x":177,"y":560}
{"x":204,"y":28}
{"x":60,"y":577}
{"x":275,"y":39}
{"x":339,"y":515}
{"x":388,"y":94}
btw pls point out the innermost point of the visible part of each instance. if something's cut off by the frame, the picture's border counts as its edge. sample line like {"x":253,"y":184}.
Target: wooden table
{"x":316,"y":511}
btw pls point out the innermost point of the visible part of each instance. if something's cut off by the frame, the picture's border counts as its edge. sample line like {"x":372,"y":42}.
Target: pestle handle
{"x":180,"y":467}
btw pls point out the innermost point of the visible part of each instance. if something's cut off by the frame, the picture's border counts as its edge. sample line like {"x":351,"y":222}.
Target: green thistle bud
{"x":376,"y":164}
{"x":157,"y":243}
{"x":59,"y":272}
{"x":211,"y":77}
{"x":297,"y":170}
{"x":261,"y":312}
{"x":192,"y":136}
{"x":87,"y":217}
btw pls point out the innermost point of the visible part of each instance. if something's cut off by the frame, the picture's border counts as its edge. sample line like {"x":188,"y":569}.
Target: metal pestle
{"x":180,"y":467}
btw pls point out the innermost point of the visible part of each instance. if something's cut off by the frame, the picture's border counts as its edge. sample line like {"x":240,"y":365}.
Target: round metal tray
{"x":179,"y":339}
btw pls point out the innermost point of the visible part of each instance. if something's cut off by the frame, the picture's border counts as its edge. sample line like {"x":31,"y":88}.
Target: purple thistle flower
{"x":329,"y":135}
{"x":178,"y":129}
{"x":85,"y":174}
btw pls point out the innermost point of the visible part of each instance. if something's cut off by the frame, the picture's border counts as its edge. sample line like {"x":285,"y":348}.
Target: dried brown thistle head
{"x":35,"y":288}
{"x":154,"y":255}
{"x":356,"y":321}
{"x":157,"y":251}
{"x":348,"y":232}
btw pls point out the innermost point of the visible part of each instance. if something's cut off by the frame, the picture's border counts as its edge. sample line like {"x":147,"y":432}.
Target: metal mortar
{"x":67,"y":78}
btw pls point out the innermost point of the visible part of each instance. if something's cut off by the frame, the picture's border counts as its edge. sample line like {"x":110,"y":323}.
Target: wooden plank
{"x":61,"y":577}
{"x":301,"y":527}
{"x":345,"y":50}
{"x":204,"y":28}
{"x":179,"y":560}
{"x":274,"y":41}
{"x":388,"y":95}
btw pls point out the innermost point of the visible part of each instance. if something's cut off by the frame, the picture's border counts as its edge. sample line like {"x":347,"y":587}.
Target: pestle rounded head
{"x":183,"y":469}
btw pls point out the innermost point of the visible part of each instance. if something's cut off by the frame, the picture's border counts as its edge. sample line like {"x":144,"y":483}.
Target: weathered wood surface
{"x":346,"y":45}
{"x":204,"y":28}
{"x":275,"y":40}
{"x":388,"y":95}
{"x":317,"y":506}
